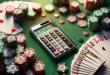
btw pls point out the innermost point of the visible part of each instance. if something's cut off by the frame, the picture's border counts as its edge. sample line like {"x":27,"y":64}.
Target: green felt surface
{"x":72,"y":30}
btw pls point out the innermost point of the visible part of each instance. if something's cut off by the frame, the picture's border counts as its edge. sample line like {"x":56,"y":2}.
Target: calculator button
{"x":64,"y":39}
{"x":56,"y":30}
{"x":41,"y":37}
{"x":46,"y":35}
{"x":65,"y":47}
{"x":69,"y":44}
{"x":56,"y":52}
{"x":50,"y":39}
{"x":51,"y":32}
{"x":48,"y":44}
{"x":62,"y":36}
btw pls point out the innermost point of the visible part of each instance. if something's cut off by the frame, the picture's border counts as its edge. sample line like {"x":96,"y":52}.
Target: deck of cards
{"x":93,"y":57}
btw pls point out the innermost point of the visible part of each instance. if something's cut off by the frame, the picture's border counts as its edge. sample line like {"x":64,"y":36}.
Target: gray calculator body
{"x":52,"y":38}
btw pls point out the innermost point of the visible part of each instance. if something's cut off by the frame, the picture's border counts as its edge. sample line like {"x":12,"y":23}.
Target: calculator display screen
{"x":43,"y":29}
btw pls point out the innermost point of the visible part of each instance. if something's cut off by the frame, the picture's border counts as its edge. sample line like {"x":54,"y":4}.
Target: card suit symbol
{"x":1,"y":11}
{"x":1,"y":21}
{"x":13,"y":30}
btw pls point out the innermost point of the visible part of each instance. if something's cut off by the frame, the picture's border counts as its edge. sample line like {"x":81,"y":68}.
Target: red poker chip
{"x":29,"y":52}
{"x":20,"y":59}
{"x":9,"y":9}
{"x":37,"y":7}
{"x":81,"y":15}
{"x":21,"y":39}
{"x":39,"y":67}
{"x":71,"y":18}
{"x":82,"y":23}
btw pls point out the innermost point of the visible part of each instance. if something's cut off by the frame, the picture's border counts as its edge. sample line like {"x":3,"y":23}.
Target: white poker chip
{"x":62,"y":67}
{"x":56,"y":15}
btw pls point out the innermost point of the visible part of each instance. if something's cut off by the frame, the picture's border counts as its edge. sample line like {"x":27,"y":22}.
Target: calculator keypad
{"x":56,"y":42}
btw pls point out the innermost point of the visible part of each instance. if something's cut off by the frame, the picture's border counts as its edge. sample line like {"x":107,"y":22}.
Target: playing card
{"x":8,"y":25}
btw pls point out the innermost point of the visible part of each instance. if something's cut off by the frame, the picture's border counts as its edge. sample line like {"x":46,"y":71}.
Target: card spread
{"x":93,"y":56}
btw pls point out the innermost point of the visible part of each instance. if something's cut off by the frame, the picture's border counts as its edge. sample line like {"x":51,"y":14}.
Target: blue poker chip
{"x":8,"y":52}
{"x":8,"y":61}
{"x":13,"y":69}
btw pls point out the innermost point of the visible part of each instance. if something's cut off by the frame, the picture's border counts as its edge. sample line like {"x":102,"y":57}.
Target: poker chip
{"x":21,"y":39}
{"x":71,"y":18}
{"x":8,"y":61}
{"x":85,"y":33}
{"x":62,"y":68}
{"x":39,"y":67}
{"x":56,"y":15}
{"x":89,"y":4}
{"x":30,"y":54}
{"x":82,"y":23}
{"x":29,"y":72}
{"x":19,"y":49}
{"x":61,"y":21}
{"x":43,"y":14}
{"x":12,"y":69}
{"x":21,"y":61}
{"x":49,"y":8}
{"x":31,"y":14}
{"x":74,"y":7}
{"x":8,"y":52}
{"x":80,"y":40}
{"x":37,"y":7}
{"x":9,"y":9}
{"x":11,"y":41}
{"x":105,"y":11}
{"x":63,"y":10}
{"x":3,"y":36}
{"x":81,"y":15}
{"x":24,"y":7}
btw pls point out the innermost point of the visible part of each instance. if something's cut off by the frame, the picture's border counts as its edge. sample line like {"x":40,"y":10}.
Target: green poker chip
{"x":2,"y":36}
{"x":49,"y":8}
{"x":105,"y":11}
{"x":31,"y":14}
{"x":19,"y":49}
{"x":97,"y":13}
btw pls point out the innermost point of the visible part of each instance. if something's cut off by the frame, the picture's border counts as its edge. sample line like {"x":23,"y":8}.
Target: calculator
{"x":52,"y":38}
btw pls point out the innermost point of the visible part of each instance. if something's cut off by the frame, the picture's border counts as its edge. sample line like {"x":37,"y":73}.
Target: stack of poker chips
{"x":74,"y":7}
{"x":89,"y":4}
{"x":105,"y":11}
{"x":15,"y":59}
{"x":93,"y":23}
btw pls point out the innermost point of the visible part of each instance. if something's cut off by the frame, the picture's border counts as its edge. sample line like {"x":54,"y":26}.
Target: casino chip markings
{"x":71,"y":18}
{"x":82,"y":23}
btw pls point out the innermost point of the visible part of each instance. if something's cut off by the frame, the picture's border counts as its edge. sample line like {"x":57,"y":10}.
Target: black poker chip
{"x":80,"y":40}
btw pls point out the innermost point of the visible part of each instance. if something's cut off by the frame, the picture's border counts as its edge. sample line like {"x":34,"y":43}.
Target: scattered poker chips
{"x":19,"y":49}
{"x":61,"y":21}
{"x":74,"y":6}
{"x":63,"y":10}
{"x":106,"y":23}
{"x":82,"y":23}
{"x":49,"y":8}
{"x":21,"y":61}
{"x":8,"y":61}
{"x":93,"y":23}
{"x":81,"y":15}
{"x":37,"y":7}
{"x":30,"y":54}
{"x":11,"y":41}
{"x":13,"y":69}
{"x":89,"y":4}
{"x":56,"y":15}
{"x":43,"y":15}
{"x":39,"y":67}
{"x":31,"y":14}
{"x":71,"y":18}
{"x":21,"y":39}
{"x":24,"y":7}
{"x":9,"y":9}
{"x":80,"y":40}
{"x":18,"y":15}
{"x":85,"y":33}
{"x":62,"y":68}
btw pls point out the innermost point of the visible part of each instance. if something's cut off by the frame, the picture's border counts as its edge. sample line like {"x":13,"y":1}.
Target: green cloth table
{"x":72,"y":30}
